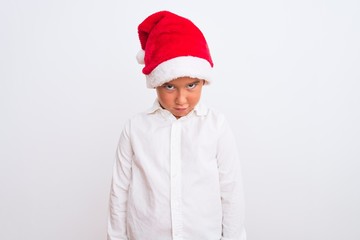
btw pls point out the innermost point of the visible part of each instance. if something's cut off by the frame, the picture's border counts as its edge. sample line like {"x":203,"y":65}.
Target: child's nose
{"x":181,"y":98}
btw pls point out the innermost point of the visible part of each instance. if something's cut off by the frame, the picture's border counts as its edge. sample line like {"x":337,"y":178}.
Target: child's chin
{"x":180,"y":113}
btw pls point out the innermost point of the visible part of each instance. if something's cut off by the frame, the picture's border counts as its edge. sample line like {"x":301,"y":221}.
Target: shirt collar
{"x":200,"y":109}
{"x":155,"y":107}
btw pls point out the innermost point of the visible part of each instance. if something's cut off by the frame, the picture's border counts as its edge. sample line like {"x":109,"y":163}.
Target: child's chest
{"x":193,"y":141}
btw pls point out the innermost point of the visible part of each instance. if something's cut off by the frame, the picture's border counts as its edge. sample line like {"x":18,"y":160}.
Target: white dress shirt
{"x":176,"y":179}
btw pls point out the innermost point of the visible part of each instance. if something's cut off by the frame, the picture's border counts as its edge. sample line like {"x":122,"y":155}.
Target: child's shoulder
{"x":210,"y":112}
{"x":213,"y":115}
{"x":138,"y":116}
{"x":144,"y":117}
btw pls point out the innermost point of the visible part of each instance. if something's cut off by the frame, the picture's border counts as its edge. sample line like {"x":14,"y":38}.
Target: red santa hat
{"x":172,"y":47}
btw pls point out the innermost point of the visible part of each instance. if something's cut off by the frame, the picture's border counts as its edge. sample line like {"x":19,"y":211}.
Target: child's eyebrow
{"x":195,"y":82}
{"x":168,"y":83}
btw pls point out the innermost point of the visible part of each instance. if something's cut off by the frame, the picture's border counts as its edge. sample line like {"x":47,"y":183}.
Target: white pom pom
{"x":140,"y":56}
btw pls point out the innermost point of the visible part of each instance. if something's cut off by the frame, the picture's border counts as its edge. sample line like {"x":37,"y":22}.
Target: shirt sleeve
{"x":231,"y":186}
{"x":119,"y":188}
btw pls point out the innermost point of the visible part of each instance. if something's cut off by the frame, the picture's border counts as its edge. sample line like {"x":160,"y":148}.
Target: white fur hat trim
{"x":185,"y":66}
{"x":140,"y":56}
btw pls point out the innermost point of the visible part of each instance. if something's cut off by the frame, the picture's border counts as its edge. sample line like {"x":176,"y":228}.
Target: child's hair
{"x":172,"y":47}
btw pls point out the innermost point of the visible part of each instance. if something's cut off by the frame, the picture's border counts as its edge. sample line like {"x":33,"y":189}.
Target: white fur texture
{"x":186,"y":66}
{"x":140,"y":57}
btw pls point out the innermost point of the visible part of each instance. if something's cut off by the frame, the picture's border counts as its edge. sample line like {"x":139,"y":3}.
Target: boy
{"x":177,"y":173}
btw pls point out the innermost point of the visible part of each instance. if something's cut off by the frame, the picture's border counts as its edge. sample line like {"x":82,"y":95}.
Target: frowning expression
{"x":180,"y":95}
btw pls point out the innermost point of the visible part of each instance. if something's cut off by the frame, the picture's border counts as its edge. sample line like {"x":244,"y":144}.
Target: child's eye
{"x":192,"y":85}
{"x":168,"y":87}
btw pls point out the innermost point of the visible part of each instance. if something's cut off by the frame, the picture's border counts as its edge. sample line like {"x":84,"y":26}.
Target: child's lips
{"x":180,"y":109}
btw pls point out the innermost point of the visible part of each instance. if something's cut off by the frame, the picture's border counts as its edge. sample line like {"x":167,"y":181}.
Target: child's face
{"x":180,"y":95}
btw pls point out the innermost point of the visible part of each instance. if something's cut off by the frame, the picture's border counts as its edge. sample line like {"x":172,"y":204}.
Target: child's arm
{"x":231,"y":186}
{"x":119,"y":188}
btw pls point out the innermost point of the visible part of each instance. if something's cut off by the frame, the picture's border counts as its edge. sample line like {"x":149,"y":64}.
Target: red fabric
{"x":165,"y":35}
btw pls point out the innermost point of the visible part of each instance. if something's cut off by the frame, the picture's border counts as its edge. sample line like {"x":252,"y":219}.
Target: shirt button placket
{"x":175,"y":182}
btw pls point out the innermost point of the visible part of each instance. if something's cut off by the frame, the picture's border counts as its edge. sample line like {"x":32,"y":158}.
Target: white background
{"x":287,"y":78}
